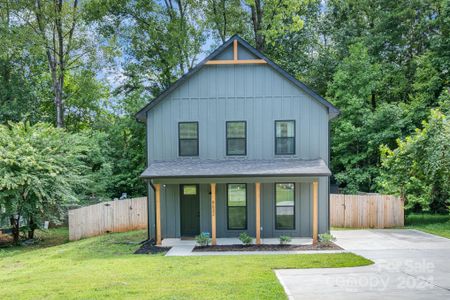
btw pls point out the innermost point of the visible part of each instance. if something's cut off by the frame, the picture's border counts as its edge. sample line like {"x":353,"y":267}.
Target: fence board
{"x":111,"y":216}
{"x":366,"y":211}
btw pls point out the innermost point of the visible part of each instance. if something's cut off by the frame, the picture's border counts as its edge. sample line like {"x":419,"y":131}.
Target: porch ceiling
{"x":199,"y":168}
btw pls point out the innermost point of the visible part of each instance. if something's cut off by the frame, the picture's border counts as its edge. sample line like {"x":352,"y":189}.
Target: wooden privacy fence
{"x":366,"y":211}
{"x":105,"y":217}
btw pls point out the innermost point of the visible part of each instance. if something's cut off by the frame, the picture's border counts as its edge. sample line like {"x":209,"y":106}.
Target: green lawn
{"x":435,"y":224}
{"x":104,"y":267}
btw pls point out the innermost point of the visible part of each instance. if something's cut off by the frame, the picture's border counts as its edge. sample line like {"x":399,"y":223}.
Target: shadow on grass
{"x":426,"y":219}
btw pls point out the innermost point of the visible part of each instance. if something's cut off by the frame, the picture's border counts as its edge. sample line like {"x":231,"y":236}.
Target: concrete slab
{"x":184,"y":247}
{"x":169,"y":242}
{"x":218,"y":253}
{"x":180,"y":250}
{"x":409,"y":264}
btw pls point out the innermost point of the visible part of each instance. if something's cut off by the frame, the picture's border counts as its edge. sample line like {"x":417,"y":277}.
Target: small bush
{"x":245,"y":238}
{"x":326,"y":239}
{"x":203,"y":239}
{"x":285,"y":239}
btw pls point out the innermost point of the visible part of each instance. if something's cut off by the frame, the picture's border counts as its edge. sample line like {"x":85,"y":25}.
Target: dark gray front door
{"x":190,"y":210}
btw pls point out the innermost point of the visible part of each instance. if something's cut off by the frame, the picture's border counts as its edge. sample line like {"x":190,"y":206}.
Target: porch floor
{"x":171,"y":242}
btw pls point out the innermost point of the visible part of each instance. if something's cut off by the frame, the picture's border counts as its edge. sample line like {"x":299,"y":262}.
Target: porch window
{"x":237,"y":206}
{"x":284,"y":206}
{"x":236,"y":138}
{"x":284,"y":137}
{"x":188,"y":138}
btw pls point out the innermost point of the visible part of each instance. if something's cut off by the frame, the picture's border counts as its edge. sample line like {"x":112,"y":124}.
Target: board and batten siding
{"x":253,"y":93}
{"x":256,"y":94}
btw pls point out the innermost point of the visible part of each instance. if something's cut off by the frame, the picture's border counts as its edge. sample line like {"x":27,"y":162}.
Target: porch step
{"x":181,"y":250}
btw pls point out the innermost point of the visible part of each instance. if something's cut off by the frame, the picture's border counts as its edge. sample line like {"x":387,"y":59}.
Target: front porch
{"x":265,"y":199}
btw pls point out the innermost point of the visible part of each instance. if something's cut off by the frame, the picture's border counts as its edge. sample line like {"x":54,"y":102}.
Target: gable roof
{"x":333,"y":111}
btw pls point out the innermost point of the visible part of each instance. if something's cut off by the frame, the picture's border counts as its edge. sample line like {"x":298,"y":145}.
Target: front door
{"x":189,"y":210}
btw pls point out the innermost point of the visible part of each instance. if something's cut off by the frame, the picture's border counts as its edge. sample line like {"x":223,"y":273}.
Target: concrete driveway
{"x":409,"y":264}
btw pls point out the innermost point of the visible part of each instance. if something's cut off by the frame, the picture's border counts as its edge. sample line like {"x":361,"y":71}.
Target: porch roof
{"x":200,"y":168}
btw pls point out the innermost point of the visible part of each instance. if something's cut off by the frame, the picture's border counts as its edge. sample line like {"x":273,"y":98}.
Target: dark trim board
{"x":333,"y":111}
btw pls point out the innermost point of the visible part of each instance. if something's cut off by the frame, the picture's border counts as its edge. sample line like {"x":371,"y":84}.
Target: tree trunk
{"x":15,"y":223}
{"x":257,"y":14}
{"x":31,"y":228}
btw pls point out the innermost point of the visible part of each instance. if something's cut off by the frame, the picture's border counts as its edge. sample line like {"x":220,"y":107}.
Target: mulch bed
{"x":266,"y":247}
{"x":150,"y":248}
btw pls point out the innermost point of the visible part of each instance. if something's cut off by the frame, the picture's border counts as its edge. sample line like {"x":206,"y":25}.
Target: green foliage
{"x":354,"y":89}
{"x":285,"y":239}
{"x":203,"y":239}
{"x":245,"y":238}
{"x":383,"y":63}
{"x":438,"y":224}
{"x":419,"y":168}
{"x":326,"y":239}
{"x":40,"y":170}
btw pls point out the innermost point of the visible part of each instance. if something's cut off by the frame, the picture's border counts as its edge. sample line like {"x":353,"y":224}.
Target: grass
{"x":103,"y":267}
{"x":430,"y":223}
{"x":435,"y":224}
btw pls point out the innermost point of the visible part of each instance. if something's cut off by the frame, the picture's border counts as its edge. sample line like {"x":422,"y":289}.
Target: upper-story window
{"x":285,"y":137}
{"x":188,"y":138}
{"x":236,"y":138}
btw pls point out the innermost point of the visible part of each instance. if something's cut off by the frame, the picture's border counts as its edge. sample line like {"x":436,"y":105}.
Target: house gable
{"x":237,"y":51}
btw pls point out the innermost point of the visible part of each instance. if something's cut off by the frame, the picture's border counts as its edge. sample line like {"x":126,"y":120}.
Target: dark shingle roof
{"x":198,"y":168}
{"x":333,"y":111}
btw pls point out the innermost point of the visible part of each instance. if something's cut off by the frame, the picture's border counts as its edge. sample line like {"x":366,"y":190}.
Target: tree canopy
{"x":89,"y":65}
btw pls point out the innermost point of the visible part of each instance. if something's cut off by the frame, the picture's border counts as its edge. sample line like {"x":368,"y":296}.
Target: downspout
{"x":154,"y":211}
{"x":148,"y":181}
{"x":329,"y":178}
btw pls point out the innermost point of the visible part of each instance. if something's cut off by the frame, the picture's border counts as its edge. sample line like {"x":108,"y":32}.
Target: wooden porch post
{"x":258,"y":212}
{"x":315,"y":211}
{"x":158,"y":213}
{"x":213,"y":214}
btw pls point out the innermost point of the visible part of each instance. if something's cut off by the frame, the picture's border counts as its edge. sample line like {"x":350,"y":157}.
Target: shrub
{"x":326,"y":239}
{"x":203,"y":239}
{"x":245,"y":238}
{"x":285,"y":239}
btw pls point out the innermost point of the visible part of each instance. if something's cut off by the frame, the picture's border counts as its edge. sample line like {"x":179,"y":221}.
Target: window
{"x":189,"y":190}
{"x":188,"y":138}
{"x":284,"y":206}
{"x":237,"y":138}
{"x":284,"y":137}
{"x":237,"y":206}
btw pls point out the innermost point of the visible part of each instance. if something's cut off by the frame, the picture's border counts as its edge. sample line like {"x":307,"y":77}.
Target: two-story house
{"x":237,"y":145}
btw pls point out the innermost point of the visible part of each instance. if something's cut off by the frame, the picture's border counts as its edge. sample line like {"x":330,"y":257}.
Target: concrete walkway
{"x":409,"y":264}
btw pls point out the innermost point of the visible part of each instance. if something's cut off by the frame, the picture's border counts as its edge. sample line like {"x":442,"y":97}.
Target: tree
{"x":21,"y":69}
{"x":41,"y":169}
{"x":59,"y":32}
{"x":226,"y":18}
{"x":419,"y":168}
{"x":273,"y":18}
{"x":161,"y":40}
{"x":354,"y":90}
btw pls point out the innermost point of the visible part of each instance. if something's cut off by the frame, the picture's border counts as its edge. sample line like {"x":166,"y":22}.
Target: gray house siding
{"x":254,"y":93}
{"x":170,"y":211}
{"x":258,"y":95}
